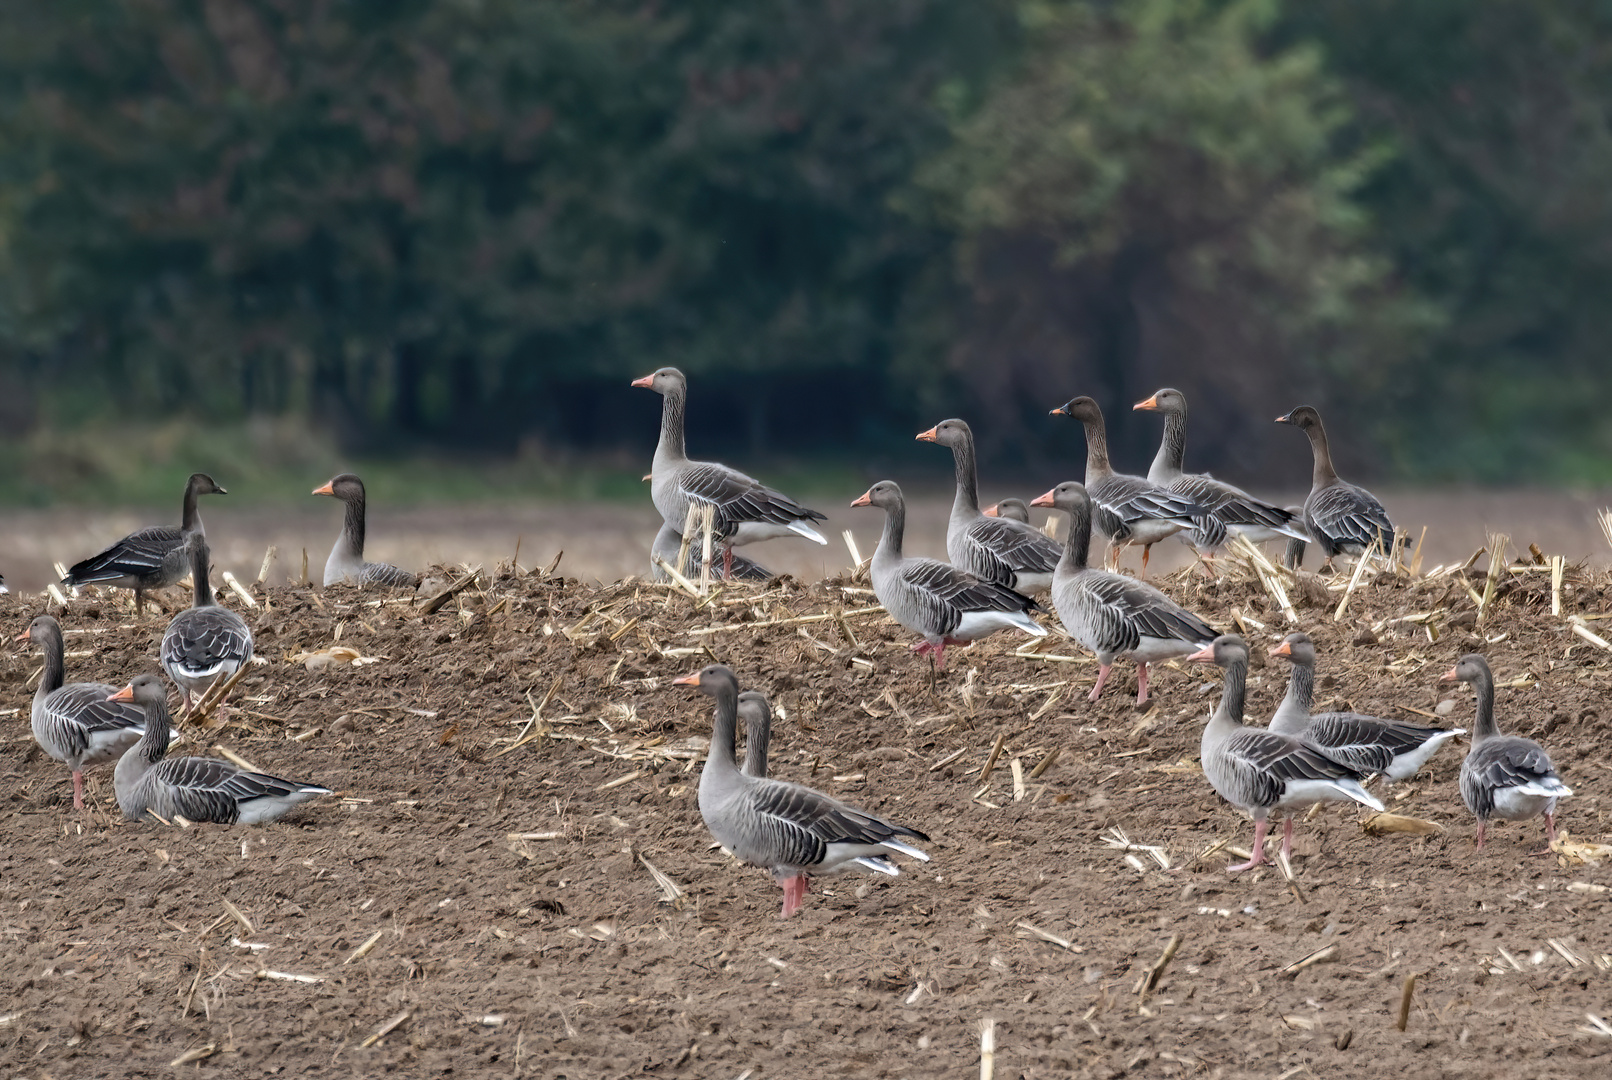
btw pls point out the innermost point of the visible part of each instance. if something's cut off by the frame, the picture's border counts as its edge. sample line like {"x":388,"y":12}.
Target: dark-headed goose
{"x":1127,"y":509}
{"x":205,"y":643}
{"x":1504,"y":776}
{"x":790,"y":829}
{"x":1364,"y":743}
{"x":1232,"y":509}
{"x":346,"y":562}
{"x":151,"y":558}
{"x":995,"y":548}
{"x":746,"y":509}
{"x":1340,"y":517}
{"x":945,"y":605}
{"x":75,"y":723}
{"x":194,"y":788}
{"x":1111,"y":614}
{"x":1259,"y":771}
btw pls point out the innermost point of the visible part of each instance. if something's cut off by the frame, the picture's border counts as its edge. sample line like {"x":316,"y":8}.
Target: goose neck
{"x":724,"y":733}
{"x":967,"y":502}
{"x":55,"y":672}
{"x":1323,"y":474}
{"x":190,"y":516}
{"x":352,"y":527}
{"x":201,"y":588}
{"x":1167,"y":464}
{"x":671,"y":447}
{"x":895,"y":525}
{"x":1097,"y":466}
{"x":1077,"y":542}
{"x":1300,"y":689}
{"x":1230,"y":712}
{"x":1485,"y":727}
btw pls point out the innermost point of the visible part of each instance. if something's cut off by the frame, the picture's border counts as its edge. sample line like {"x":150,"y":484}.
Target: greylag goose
{"x":945,"y":605}
{"x":1012,"y":509}
{"x":1341,"y":517}
{"x":151,"y":558}
{"x":787,"y":828}
{"x":1231,"y":509}
{"x":994,"y":548}
{"x":1259,"y":771}
{"x":205,"y":643}
{"x":746,"y":509}
{"x":1364,"y":743}
{"x":1504,"y":776}
{"x":194,"y":788}
{"x":1293,"y":557}
{"x":757,"y":717}
{"x":669,"y":540}
{"x":74,"y":723}
{"x":346,"y":562}
{"x":1111,"y":614}
{"x":1126,"y":509}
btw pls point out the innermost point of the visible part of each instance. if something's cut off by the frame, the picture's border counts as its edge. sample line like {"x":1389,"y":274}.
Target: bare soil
{"x":513,"y":927}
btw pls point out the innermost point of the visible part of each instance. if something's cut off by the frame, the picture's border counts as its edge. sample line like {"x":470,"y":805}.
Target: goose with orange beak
{"x":792,"y":830}
{"x":1012,"y":509}
{"x":346,"y":562}
{"x":944,"y":605}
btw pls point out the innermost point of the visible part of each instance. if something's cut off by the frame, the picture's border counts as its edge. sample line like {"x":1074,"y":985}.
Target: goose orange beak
{"x":990,"y":511}
{"x":1205,"y":655}
{"x":1150,"y":403}
{"x":927,"y":436}
{"x":1449,"y":676}
{"x":1059,"y":411}
{"x":691,"y":679}
{"x":323,"y":489}
{"x":865,"y":499}
{"x":21,"y":637}
{"x":1285,"y":418}
{"x":126,"y":694}
{"x":644,"y":479}
{"x":1282,"y":650}
{"x":646,"y":381}
{"x":1042,"y":500}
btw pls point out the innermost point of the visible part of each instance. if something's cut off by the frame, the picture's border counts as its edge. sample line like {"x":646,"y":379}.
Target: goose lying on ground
{"x":346,"y":562}
{"x":790,"y":829}
{"x":666,"y":545}
{"x":943,"y":604}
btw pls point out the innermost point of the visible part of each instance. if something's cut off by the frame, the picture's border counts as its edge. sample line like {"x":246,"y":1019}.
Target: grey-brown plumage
{"x":1231,"y":510}
{"x":205,"y":643}
{"x":1012,"y":509}
{"x":1504,"y":776}
{"x":1368,"y":745}
{"x":1111,"y":614}
{"x":994,"y":548}
{"x":944,"y":605}
{"x":788,"y":828}
{"x":1259,"y":771}
{"x":1127,"y":509}
{"x":1342,"y":518}
{"x":74,"y":722}
{"x":194,"y":788}
{"x":346,"y":562}
{"x":151,"y":558}
{"x":746,"y":510}
{"x":667,"y":542}
{"x":757,"y":717}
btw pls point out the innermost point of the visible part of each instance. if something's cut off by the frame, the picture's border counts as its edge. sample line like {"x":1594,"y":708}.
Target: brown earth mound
{"x":477,"y":898}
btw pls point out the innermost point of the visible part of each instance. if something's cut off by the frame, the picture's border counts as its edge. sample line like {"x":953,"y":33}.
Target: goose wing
{"x":1265,"y":763}
{"x":947,"y":587}
{"x":1005,"y":547}
{"x":1349,"y":515}
{"x":207,"y":789}
{"x":385,"y":574}
{"x":202,"y":641}
{"x":1366,"y":742}
{"x":1133,"y":498}
{"x":137,"y":554}
{"x":1146,"y":609}
{"x":797,"y":825}
{"x":1514,"y":762}
{"x":1235,"y":507}
{"x":739,"y":498}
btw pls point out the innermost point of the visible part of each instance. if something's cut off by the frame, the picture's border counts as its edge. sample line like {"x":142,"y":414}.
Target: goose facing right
{"x":151,"y":558}
{"x":1111,"y":614}
{"x":790,"y":829}
{"x":1504,"y":776}
{"x":1259,"y":771}
{"x":75,"y":723}
{"x":746,"y":509}
{"x":1342,"y":518}
{"x":944,"y":605}
{"x":194,"y":788}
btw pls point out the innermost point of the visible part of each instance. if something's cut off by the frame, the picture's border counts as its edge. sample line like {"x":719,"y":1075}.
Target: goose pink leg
{"x":1102,"y":677}
{"x":78,"y":790}
{"x":795,"y":890}
{"x":1141,"y":683}
{"x":1258,"y":858}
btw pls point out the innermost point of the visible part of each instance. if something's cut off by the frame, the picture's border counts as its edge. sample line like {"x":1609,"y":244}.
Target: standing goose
{"x":1127,"y":509}
{"x":1012,"y":509}
{"x":944,"y":604}
{"x":1231,"y":509}
{"x":757,"y":717}
{"x":194,"y":788}
{"x":669,"y":540}
{"x":1257,"y":770}
{"x":1504,"y":776}
{"x":1293,"y":557}
{"x":1340,"y":517}
{"x":75,"y":724}
{"x":746,"y":509}
{"x":205,"y":643}
{"x":1111,"y":614}
{"x":346,"y":562}
{"x":994,"y":548}
{"x":787,"y":828}
{"x":1364,"y":743}
{"x":151,"y":558}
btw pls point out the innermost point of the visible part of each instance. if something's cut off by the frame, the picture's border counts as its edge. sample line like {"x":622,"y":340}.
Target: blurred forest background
{"x":278,"y":231}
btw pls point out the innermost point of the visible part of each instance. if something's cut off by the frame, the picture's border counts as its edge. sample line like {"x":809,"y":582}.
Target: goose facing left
{"x":790,"y":829}
{"x":194,"y":788}
{"x":75,"y":723}
{"x":746,"y":510}
{"x":346,"y":561}
{"x":151,"y":558}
